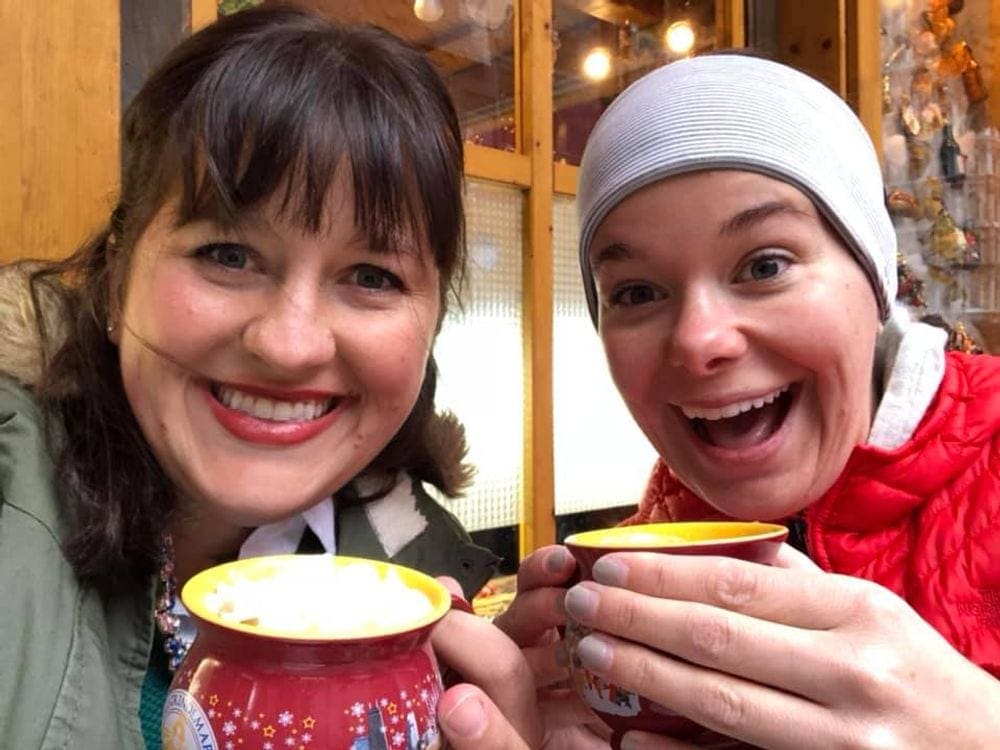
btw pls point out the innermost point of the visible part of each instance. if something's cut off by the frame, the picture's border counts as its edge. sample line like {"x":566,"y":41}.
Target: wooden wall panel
{"x":59,"y":123}
{"x":811,"y":37}
{"x":10,"y":130}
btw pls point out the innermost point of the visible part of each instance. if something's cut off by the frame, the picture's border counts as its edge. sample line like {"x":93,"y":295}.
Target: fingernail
{"x":633,"y":741}
{"x":467,"y":719}
{"x":581,"y":602}
{"x":594,"y":653}
{"x":557,"y":560}
{"x":610,"y":571}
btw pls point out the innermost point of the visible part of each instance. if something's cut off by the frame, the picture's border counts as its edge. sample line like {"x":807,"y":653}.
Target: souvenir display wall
{"x":942,"y":163}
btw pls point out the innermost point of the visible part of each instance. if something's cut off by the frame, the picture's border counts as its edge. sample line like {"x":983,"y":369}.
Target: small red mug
{"x":250,"y":688}
{"x":621,"y":709}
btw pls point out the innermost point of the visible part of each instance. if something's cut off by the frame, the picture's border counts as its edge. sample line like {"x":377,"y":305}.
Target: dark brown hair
{"x":269,"y":101}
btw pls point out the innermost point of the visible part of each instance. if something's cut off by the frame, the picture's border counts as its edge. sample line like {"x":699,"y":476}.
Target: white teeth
{"x":731,"y":410}
{"x":271,"y":409}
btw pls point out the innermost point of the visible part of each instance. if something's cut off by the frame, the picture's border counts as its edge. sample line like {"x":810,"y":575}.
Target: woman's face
{"x":741,"y":335}
{"x":267,"y":366}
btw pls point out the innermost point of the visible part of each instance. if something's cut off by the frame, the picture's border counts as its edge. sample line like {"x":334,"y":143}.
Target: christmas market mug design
{"x":621,"y":709}
{"x":258,"y":687}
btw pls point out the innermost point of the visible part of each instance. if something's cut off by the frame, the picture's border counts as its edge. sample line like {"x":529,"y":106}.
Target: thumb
{"x":789,"y":557}
{"x":470,"y":721}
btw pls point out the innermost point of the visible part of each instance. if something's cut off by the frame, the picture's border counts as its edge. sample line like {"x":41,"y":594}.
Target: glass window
{"x":479,"y":355}
{"x":602,"y":459}
{"x":600,"y":48}
{"x":471,"y":42}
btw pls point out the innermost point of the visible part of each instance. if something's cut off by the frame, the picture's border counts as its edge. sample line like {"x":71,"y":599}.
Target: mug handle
{"x":461,"y":604}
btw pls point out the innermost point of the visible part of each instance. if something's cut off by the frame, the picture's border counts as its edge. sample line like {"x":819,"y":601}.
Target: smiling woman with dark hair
{"x":238,"y":363}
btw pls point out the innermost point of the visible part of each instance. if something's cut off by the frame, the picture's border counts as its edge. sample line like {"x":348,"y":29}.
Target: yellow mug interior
{"x":684,"y":534}
{"x":203,"y":584}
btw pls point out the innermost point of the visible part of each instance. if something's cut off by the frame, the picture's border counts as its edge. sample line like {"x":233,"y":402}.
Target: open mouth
{"x":744,"y":424}
{"x":271,"y":409}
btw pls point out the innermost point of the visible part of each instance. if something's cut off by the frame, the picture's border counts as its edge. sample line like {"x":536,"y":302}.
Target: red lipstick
{"x":267,"y":431}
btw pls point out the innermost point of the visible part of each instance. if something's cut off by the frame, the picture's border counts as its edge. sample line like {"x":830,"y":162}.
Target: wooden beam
{"x":730,"y":23}
{"x":864,"y":66}
{"x":496,"y":165}
{"x":537,"y":526}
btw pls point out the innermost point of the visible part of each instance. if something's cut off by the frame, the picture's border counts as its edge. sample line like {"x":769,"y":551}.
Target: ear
{"x":114,"y":333}
{"x":115,"y":291}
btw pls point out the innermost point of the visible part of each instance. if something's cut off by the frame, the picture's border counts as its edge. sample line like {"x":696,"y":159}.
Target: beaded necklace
{"x":169,"y":611}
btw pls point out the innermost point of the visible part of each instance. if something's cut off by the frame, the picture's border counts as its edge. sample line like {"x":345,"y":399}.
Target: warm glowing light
{"x":679,"y":37}
{"x":428,"y":11}
{"x":597,"y":64}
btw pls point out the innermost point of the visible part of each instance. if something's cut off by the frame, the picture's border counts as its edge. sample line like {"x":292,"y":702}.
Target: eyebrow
{"x":737,"y":223}
{"x":612,"y":252}
{"x":755,"y":215}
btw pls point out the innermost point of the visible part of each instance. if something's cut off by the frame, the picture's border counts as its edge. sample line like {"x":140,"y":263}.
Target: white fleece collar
{"x":912,"y":358}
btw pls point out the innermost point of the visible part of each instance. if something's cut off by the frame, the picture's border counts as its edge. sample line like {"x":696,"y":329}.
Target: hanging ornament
{"x":901,"y":45}
{"x":932,"y":198}
{"x":972,"y":81}
{"x":950,"y":154}
{"x":938,"y":20}
{"x":910,"y":289}
{"x":946,"y":242}
{"x":960,"y":340}
{"x":908,"y":120}
{"x":918,"y":155}
{"x":903,"y":204}
{"x":931,"y":118}
{"x":954,"y":60}
{"x":970,"y":258}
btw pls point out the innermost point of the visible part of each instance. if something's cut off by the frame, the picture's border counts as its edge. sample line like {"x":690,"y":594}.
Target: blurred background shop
{"x":521,"y":365}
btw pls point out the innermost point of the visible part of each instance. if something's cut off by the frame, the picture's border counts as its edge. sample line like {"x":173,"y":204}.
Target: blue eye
{"x":764,"y":268}
{"x":375,"y":278}
{"x":226,"y":254}
{"x":632,"y":295}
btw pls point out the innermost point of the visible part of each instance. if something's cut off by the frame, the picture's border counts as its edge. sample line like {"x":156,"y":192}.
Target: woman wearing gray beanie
{"x":740,"y":269}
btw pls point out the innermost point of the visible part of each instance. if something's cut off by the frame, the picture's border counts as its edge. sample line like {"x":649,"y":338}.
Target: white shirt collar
{"x":283,"y":537}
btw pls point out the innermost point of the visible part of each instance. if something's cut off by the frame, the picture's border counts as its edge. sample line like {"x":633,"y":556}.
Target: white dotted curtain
{"x":479,"y":355}
{"x":602,"y":459}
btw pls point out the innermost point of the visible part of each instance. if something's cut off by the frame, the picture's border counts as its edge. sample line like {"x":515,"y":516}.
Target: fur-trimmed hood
{"x":21,"y":354}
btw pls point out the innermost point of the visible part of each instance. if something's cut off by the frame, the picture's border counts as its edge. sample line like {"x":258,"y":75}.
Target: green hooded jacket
{"x":72,"y":662}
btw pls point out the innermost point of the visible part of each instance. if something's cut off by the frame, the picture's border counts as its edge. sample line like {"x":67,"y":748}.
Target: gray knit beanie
{"x":732,"y":111}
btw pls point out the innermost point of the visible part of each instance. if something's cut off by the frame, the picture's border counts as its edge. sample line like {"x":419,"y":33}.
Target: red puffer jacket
{"x":922,"y":520}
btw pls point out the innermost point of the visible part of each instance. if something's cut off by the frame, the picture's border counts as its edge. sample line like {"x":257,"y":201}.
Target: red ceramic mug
{"x":248,"y":687}
{"x":621,"y":709}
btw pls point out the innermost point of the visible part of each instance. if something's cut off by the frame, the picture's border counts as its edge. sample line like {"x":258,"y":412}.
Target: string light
{"x":597,"y":64}
{"x":428,"y":11}
{"x":679,"y":37}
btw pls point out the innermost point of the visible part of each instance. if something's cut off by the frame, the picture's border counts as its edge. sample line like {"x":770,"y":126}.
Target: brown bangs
{"x":281,"y":118}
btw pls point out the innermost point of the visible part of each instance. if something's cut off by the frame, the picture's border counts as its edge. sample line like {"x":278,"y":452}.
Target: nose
{"x":706,"y":334}
{"x":292,"y":333}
